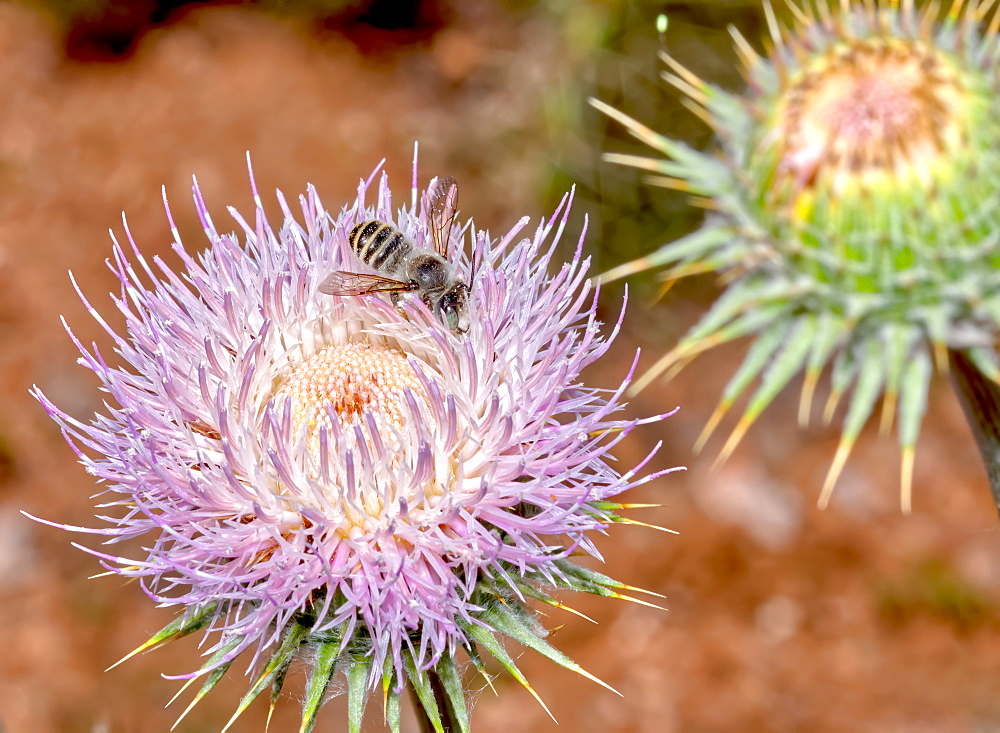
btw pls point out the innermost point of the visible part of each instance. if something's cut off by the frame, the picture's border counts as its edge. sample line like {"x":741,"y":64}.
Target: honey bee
{"x":407,"y":268}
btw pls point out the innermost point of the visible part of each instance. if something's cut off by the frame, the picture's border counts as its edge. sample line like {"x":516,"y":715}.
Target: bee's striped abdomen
{"x":379,"y":245}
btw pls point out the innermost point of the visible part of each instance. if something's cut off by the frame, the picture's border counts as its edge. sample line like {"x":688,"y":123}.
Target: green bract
{"x":853,"y":208}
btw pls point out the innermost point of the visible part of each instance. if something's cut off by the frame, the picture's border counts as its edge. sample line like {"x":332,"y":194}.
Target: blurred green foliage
{"x":935,"y":589}
{"x":629,"y":218}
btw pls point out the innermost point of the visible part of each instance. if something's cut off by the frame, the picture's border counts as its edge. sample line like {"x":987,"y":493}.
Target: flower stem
{"x":449,"y":722}
{"x":980,"y":398}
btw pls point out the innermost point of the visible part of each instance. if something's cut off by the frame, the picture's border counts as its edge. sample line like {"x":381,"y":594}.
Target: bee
{"x":407,"y":268}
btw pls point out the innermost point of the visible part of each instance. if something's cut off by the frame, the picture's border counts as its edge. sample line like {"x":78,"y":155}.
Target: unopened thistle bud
{"x":855,"y":209}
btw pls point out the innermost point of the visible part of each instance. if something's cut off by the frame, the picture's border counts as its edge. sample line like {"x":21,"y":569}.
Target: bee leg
{"x":397,"y":300}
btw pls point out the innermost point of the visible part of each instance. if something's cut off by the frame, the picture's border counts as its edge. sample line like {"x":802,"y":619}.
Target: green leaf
{"x":684,"y":154}
{"x":636,"y":128}
{"x":277,"y":685}
{"x":867,"y":389}
{"x":451,"y":681}
{"x":358,"y":673}
{"x":913,"y":388}
{"x":488,"y":641}
{"x":421,"y":682}
{"x":392,"y":712}
{"x":757,"y":300}
{"x":323,"y":668}
{"x":755,"y":319}
{"x":586,"y":580}
{"x":212,"y":679}
{"x":474,"y":656}
{"x":899,"y":340}
{"x":519,"y":626}
{"x":871,"y":374}
{"x":830,"y":330}
{"x":760,"y":352}
{"x":532,"y":590}
{"x":688,"y":248}
{"x":845,"y":367}
{"x":187,"y":623}
{"x":392,"y":702}
{"x":914,"y":384}
{"x":938,"y":324}
{"x":985,"y":360}
{"x":785,"y":365}
{"x":691,"y":247}
{"x":294,"y":634}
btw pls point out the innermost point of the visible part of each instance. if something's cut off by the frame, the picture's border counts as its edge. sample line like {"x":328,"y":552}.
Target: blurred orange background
{"x":781,"y":617}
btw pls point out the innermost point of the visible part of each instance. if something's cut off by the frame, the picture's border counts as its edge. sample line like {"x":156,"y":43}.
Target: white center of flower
{"x":345,"y":380}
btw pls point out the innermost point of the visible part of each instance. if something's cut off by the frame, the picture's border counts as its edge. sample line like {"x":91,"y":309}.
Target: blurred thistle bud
{"x":348,"y":484}
{"x":853,"y":209}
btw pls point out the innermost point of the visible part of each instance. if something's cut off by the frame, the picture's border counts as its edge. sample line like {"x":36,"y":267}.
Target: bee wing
{"x":442,"y":198}
{"x":356,"y":283}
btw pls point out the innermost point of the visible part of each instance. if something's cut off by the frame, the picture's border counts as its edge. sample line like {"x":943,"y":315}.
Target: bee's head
{"x":454,"y":307}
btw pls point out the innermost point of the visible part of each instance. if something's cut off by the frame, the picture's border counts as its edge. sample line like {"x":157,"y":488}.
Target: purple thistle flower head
{"x":344,"y":480}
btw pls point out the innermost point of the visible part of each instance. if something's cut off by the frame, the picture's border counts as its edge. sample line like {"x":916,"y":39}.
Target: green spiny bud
{"x":854,"y":209}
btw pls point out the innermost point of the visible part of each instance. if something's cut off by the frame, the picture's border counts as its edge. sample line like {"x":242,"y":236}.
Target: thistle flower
{"x":852,"y":208}
{"x":343,"y":482}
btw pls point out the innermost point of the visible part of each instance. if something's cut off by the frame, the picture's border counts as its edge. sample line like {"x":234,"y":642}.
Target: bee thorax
{"x":428,"y":271}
